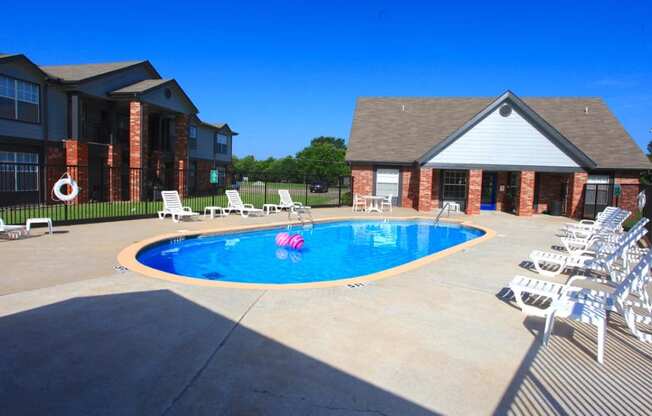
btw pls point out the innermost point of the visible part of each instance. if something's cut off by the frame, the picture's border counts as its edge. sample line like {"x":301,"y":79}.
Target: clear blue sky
{"x":281,"y":73}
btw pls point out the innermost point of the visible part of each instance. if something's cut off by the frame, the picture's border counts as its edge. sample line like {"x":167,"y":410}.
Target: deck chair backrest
{"x":610,"y":252}
{"x":635,"y":282}
{"x":171,"y":201}
{"x":286,"y":198}
{"x":234,"y":198}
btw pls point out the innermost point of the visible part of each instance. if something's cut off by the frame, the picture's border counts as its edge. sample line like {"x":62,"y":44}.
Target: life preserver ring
{"x":66,"y":181}
{"x":641,"y":199}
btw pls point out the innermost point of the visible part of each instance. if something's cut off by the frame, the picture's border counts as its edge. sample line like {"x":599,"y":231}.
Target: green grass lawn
{"x":123,"y":209}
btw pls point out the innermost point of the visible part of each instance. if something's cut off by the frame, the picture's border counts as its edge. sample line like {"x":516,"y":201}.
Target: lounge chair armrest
{"x":587,"y":222}
{"x":188,"y":209}
{"x":248,"y":206}
{"x":298,"y":204}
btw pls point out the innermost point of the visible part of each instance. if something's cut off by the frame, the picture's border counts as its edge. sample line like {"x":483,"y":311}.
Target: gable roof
{"x":8,"y":57}
{"x":85,"y":72}
{"x":405,"y":130}
{"x":140,"y":88}
{"x":216,"y":126}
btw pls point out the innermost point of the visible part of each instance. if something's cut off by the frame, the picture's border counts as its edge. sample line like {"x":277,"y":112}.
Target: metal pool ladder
{"x":301,"y":212}
{"x":446,"y":207}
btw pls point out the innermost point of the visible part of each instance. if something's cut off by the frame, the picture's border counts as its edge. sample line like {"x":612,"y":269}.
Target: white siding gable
{"x":498,"y":140}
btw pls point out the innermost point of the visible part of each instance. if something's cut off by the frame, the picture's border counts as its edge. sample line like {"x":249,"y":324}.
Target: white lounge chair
{"x":287,"y":202}
{"x":173,"y":207}
{"x":553,"y":264}
{"x":359,"y":203}
{"x":591,"y":307}
{"x":523,"y":287}
{"x":577,"y":244}
{"x":611,"y":220}
{"x":12,"y":231}
{"x":236,"y":204}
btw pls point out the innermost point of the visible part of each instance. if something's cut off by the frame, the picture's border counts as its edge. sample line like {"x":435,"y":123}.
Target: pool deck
{"x":81,"y":337}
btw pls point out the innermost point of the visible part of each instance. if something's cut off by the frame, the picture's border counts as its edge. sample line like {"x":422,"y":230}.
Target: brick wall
{"x":137,"y":147}
{"x":410,"y":187}
{"x":181,"y":154}
{"x":424,"y":203}
{"x":630,"y":185}
{"x":434,"y":193}
{"x":363,"y":177}
{"x":113,"y":181}
{"x":77,"y":161}
{"x":551,"y":187}
{"x":204,"y":175}
{"x":525,"y":206}
{"x":55,"y":159}
{"x":575,"y":198}
{"x":473,"y":196}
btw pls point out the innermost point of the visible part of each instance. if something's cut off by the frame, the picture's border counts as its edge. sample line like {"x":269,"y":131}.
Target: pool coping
{"x":127,"y":257}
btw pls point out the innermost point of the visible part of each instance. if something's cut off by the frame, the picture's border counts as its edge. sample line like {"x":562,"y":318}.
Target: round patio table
{"x":374,"y":203}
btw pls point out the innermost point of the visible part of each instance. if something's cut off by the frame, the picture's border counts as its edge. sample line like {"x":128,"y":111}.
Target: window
{"x":18,"y":172}
{"x":192,"y":132}
{"x":221,"y":175}
{"x":454,"y":187}
{"x":19,"y":100}
{"x":221,"y":144}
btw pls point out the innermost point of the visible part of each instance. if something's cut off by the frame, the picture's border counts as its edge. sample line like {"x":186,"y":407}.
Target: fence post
{"x":339,"y":191}
{"x":306,"y":199}
{"x":265,"y":191}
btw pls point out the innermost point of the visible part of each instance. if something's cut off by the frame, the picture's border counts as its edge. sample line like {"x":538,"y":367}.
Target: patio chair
{"x":576,"y":244}
{"x":12,"y":231}
{"x":610,"y":220}
{"x":173,"y":207}
{"x":359,"y":203}
{"x":386,"y":203}
{"x":590,"y":306}
{"x":287,"y":202}
{"x":525,"y":287}
{"x":236,"y":204}
{"x":589,"y":260}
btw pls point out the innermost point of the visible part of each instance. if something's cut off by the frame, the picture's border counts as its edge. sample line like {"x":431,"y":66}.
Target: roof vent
{"x":586,"y":110}
{"x":505,"y":110}
{"x":402,"y":107}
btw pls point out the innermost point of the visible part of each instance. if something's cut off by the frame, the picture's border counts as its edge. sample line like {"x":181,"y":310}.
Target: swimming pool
{"x":332,"y":251}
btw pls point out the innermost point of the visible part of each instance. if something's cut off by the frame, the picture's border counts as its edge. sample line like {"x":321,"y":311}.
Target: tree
{"x":323,"y":159}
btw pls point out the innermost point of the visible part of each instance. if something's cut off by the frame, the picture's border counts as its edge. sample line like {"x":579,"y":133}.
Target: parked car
{"x":319,"y":187}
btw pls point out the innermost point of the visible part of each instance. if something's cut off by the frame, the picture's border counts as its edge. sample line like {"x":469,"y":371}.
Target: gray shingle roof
{"x":74,"y":73}
{"x":141,"y":86}
{"x":383,"y":132}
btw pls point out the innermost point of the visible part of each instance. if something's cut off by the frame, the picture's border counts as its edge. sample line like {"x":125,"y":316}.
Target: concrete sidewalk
{"x":85,"y":339}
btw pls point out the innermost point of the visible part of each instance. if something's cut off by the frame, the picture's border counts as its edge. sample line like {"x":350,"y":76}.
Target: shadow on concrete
{"x":564,"y":377}
{"x":158,"y":353}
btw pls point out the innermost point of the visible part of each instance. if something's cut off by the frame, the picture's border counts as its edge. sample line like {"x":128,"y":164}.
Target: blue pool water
{"x":334,"y":250}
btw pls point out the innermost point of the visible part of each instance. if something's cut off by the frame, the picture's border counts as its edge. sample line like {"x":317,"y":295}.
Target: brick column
{"x":575,"y":196}
{"x":525,"y":200}
{"x":55,"y":166}
{"x":363,"y":176}
{"x":181,"y":154}
{"x":77,"y":166}
{"x":474,"y":194}
{"x":436,"y":174}
{"x":137,"y":148}
{"x":424,"y":203}
{"x":114,"y":182}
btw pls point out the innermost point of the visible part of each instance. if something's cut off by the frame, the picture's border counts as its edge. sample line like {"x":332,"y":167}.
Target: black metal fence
{"x":118,"y":193}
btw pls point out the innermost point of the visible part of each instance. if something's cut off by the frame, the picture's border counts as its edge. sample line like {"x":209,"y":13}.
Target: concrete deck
{"x":82,"y":338}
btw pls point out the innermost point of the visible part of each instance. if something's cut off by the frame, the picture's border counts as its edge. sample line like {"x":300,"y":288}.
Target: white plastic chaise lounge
{"x":173,"y":207}
{"x":236,"y":204}
{"x":591,"y":306}
{"x":553,"y":264}
{"x":610,"y":220}
{"x":288,"y":203}
{"x":12,"y":231}
{"x":573,"y":245}
{"x":523,"y":287}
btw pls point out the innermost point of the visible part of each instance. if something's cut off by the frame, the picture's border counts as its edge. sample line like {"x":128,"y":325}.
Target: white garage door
{"x":387,"y":183}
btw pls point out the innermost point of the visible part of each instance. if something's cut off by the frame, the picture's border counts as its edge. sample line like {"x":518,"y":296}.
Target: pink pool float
{"x":294,"y":241}
{"x":282,"y":239}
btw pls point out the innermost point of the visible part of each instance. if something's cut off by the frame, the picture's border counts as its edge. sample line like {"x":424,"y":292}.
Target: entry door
{"x":597,"y":194}
{"x":488,"y":198}
{"x":387,"y":183}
